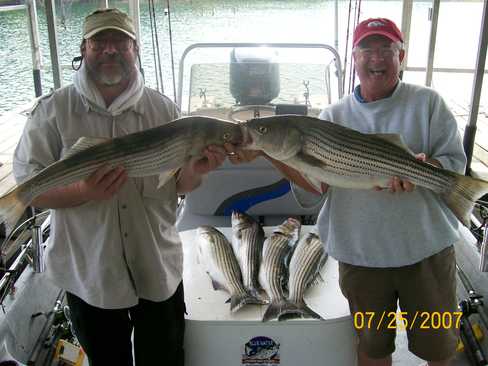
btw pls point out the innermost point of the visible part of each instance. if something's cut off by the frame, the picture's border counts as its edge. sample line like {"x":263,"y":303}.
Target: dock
{"x":11,"y":124}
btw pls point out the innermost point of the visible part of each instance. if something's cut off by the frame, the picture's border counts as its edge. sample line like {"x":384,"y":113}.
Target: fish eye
{"x":262,"y":129}
{"x":226,"y":136}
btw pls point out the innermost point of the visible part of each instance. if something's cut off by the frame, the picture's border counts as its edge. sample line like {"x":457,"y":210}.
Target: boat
{"x":258,"y":79}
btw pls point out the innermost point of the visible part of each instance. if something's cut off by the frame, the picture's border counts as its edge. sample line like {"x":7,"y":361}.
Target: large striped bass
{"x":273,"y":274}
{"x":339,"y":156}
{"x":163,"y":149}
{"x":247,"y":240}
{"x":306,"y":262}
{"x":217,"y":255}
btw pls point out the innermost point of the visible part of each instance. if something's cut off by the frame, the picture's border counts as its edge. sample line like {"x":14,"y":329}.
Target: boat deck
{"x":13,"y":123}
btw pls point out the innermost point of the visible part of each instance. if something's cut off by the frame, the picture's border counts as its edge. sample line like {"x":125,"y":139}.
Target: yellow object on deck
{"x":478,"y":333}
{"x":69,"y":354}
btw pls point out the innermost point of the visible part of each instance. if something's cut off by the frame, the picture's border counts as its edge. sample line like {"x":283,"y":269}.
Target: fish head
{"x":289,"y":228}
{"x":207,"y":234}
{"x":277,"y":136}
{"x":203,"y":131}
{"x":241,"y":220}
{"x":220,"y":132}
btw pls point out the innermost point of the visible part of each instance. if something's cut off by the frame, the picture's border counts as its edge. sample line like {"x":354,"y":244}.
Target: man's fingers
{"x":421,"y":157}
{"x":109,"y":178}
{"x":217,"y":149}
{"x":408,"y":186}
{"x":117,"y":184}
{"x":98,"y":174}
{"x":230,"y":149}
{"x":217,"y":160}
{"x":398,"y":185}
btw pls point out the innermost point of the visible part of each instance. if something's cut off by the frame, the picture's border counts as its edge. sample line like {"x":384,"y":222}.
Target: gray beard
{"x":109,"y":80}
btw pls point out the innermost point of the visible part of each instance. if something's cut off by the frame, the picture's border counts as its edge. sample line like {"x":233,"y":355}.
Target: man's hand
{"x":398,"y":185}
{"x":102,"y":184}
{"x":190,"y":176}
{"x":237,"y":155}
{"x":403,"y":185}
{"x":213,"y":157}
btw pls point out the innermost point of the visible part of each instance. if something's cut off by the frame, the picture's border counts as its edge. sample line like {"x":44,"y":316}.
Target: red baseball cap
{"x":381,"y":26}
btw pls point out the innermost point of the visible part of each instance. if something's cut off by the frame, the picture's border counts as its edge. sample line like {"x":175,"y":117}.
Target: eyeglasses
{"x":122,"y":44}
{"x":383,"y":52}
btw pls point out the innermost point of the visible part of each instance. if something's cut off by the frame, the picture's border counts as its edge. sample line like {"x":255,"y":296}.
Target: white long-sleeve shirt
{"x":381,"y":229}
{"x":109,"y":253}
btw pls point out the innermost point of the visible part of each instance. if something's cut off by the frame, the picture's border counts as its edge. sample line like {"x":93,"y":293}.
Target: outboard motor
{"x":254,"y":77}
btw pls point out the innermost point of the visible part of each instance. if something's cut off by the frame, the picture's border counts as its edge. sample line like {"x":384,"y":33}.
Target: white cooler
{"x":217,"y":337}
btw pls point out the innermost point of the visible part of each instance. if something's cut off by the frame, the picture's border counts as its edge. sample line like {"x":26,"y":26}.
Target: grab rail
{"x":337,"y":58}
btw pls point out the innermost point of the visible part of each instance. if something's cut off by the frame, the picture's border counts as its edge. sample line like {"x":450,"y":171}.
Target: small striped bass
{"x":216,"y":253}
{"x":339,"y":156}
{"x":160,"y":150}
{"x":306,"y":262}
{"x":273,"y":274}
{"x":247,"y":240}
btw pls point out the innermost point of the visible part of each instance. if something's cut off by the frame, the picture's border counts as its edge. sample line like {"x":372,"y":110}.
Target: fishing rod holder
{"x":37,"y":249}
{"x":472,"y":304}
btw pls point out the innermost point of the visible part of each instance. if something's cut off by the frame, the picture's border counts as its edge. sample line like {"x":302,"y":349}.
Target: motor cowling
{"x":254,"y":77}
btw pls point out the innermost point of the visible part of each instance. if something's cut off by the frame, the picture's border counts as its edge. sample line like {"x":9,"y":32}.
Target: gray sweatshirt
{"x":381,"y":229}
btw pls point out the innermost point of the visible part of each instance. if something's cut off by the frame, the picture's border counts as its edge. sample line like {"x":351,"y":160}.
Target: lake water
{"x":242,"y":21}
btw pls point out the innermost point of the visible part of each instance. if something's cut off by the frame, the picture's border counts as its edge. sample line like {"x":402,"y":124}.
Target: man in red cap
{"x":113,"y":243}
{"x":394,"y":245}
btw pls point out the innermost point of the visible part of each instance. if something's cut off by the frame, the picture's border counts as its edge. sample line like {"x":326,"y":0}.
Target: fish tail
{"x":273,"y":311}
{"x":462,"y":197}
{"x":239,"y":300}
{"x":260,"y":298}
{"x":294,"y":311}
{"x":12,"y":208}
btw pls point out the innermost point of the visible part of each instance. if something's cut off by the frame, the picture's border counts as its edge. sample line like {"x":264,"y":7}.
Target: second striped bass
{"x":247,"y":240}
{"x":273,"y":274}
{"x":306,"y":262}
{"x":339,"y":156}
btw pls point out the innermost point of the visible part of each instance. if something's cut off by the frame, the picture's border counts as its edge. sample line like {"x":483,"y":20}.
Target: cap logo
{"x":376,"y":23}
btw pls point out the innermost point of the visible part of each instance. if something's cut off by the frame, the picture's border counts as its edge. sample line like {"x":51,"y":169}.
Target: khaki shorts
{"x":426,"y":294}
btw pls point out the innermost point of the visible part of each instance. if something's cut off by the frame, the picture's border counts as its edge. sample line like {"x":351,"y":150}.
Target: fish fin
{"x":314,"y":162}
{"x":256,"y":299}
{"x":238,"y":301}
{"x":308,"y":159}
{"x":84,"y":143}
{"x":395,"y":139}
{"x":12,"y":208}
{"x":273,"y":311}
{"x":262,"y":297}
{"x":461,"y":199}
{"x":217,"y":285}
{"x":315,"y":183}
{"x":165,"y":176}
{"x":316,"y":278}
{"x":296,"y":311}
